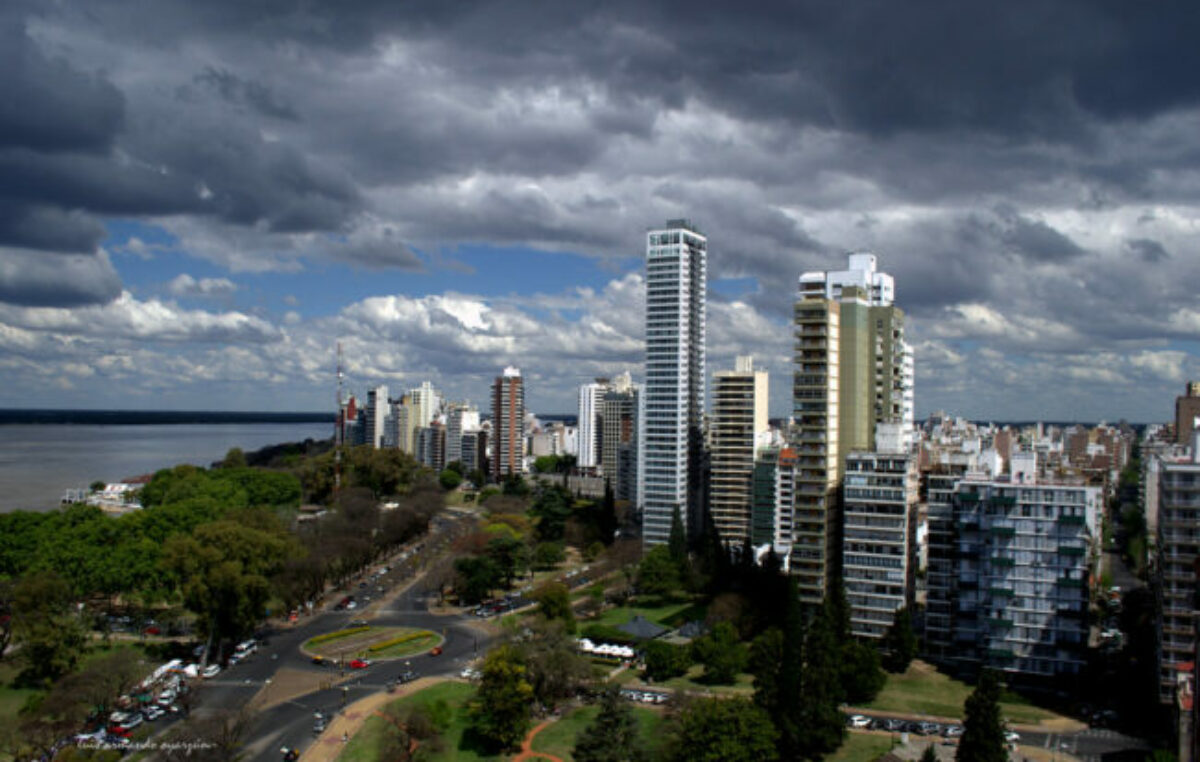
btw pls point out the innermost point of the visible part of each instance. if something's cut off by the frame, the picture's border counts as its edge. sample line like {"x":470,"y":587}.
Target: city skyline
{"x":199,"y":203}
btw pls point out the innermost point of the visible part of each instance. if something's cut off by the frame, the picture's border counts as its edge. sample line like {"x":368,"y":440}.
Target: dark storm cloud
{"x":243,"y":92}
{"x":41,"y":279}
{"x":49,"y":105}
{"x":1148,"y":250}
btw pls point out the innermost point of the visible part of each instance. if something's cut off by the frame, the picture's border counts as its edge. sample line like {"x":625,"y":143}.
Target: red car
{"x":437,"y":651}
{"x":360,"y":664}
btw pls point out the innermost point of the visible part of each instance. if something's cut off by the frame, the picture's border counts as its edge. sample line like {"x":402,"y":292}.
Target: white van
{"x":244,"y":649}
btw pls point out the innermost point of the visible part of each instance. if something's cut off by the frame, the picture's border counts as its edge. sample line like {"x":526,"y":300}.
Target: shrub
{"x":336,"y":634}
{"x":398,"y":640}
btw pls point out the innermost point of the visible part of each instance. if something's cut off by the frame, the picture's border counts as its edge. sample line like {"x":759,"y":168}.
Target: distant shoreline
{"x":153,"y":417}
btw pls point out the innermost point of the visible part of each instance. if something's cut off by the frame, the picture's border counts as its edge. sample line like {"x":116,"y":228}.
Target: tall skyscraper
{"x":508,"y":424}
{"x":460,"y":418}
{"x":738,"y":428}
{"x":377,"y":413}
{"x":816,"y":520}
{"x":853,"y":372}
{"x":676,"y":279}
{"x":590,"y":428}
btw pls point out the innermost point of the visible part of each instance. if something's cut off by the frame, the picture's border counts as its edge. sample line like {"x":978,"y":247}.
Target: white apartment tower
{"x":739,"y":426}
{"x":676,"y":279}
{"x":591,"y":397}
{"x":377,"y":413}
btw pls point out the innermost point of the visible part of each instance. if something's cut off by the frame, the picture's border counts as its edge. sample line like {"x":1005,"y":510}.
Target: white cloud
{"x":184,"y":285}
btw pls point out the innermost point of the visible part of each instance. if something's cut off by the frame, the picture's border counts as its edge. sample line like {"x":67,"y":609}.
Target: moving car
{"x":360,"y":663}
{"x":437,"y":651}
{"x":407,"y":676}
{"x":212,"y":670}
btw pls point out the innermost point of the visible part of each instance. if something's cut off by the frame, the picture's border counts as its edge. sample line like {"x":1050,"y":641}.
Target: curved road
{"x":290,"y":723}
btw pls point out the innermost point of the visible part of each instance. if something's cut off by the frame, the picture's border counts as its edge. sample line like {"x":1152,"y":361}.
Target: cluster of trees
{"x":538,"y":667}
{"x":524,"y":532}
{"x":62,"y":710}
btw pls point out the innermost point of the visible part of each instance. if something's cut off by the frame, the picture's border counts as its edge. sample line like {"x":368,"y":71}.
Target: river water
{"x":39,"y":462}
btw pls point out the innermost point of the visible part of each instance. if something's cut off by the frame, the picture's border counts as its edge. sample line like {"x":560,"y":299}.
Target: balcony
{"x":1071,"y":550}
{"x":1075,"y":521}
{"x":1001,"y":592}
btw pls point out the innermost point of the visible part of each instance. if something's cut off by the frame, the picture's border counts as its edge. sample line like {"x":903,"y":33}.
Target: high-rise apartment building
{"x":618,"y":451}
{"x":1175,"y":577}
{"x":816,"y":517}
{"x":1027,"y":552}
{"x":879,"y":544}
{"x":377,"y":413}
{"x":737,"y":428}
{"x":460,"y":418}
{"x":774,"y":500}
{"x":1187,"y":413}
{"x":676,"y":279}
{"x":590,"y":434}
{"x":941,"y":481}
{"x":853,"y":371}
{"x":508,"y":424}
{"x":872,"y":324}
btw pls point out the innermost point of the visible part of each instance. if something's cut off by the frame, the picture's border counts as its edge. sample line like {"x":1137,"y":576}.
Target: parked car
{"x":859,"y":721}
{"x":212,"y":670}
{"x":1012,"y":736}
{"x":319,"y":726}
{"x":895,"y":726}
{"x":954,"y":731}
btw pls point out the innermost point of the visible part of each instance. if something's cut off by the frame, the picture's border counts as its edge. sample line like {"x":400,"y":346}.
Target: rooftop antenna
{"x":339,"y":436}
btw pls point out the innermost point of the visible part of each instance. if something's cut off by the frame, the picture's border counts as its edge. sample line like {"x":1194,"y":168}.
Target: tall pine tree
{"x":983,"y":730}
{"x":613,"y":735}
{"x":899,"y":643}
{"x":822,"y":725}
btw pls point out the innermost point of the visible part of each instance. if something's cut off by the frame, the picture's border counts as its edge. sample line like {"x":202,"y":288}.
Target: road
{"x":290,"y":723}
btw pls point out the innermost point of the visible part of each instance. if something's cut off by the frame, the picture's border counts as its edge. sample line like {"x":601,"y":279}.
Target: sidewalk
{"x":329,"y":744}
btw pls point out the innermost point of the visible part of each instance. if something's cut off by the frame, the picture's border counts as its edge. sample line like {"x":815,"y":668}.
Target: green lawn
{"x":365,"y":745}
{"x":924,"y":690}
{"x":558,"y":738}
{"x":861,"y":747}
{"x":407,"y":648}
{"x":667,"y":613}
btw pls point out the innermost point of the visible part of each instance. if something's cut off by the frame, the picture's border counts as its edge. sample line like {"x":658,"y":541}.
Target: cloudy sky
{"x":198,"y":200}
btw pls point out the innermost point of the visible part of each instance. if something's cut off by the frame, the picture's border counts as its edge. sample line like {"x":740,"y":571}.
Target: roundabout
{"x":370,"y":643}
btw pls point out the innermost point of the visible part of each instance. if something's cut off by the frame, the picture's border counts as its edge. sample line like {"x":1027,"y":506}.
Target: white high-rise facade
{"x":676,"y":279}
{"x":590,"y":398}
{"x":377,"y":413}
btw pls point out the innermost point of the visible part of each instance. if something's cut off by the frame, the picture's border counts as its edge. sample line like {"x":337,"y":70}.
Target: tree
{"x":721,"y":654}
{"x":658,"y":574}
{"x":677,"y":540}
{"x":500,"y":711}
{"x":510,"y":555}
{"x":983,"y":730}
{"x":724,"y":730}
{"x":548,"y":555}
{"x":546,"y":464}
{"x":234,"y":458}
{"x":49,"y":634}
{"x":613,"y":735}
{"x":899,"y":643}
{"x":476,"y":578}
{"x":477,"y":478}
{"x":554,"y":667}
{"x":664,"y":661}
{"x":449,"y":479}
{"x":821,"y":724}
{"x":862,"y":678}
{"x":929,"y":755}
{"x":554,"y":603}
